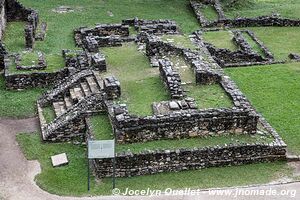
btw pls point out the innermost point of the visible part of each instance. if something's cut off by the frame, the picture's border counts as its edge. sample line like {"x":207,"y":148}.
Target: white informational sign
{"x":101,"y":149}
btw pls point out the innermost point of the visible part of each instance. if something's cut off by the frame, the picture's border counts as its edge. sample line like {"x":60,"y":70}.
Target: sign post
{"x":101,"y":149}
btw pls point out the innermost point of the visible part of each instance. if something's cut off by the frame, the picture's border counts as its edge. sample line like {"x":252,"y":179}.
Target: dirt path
{"x":17,"y":174}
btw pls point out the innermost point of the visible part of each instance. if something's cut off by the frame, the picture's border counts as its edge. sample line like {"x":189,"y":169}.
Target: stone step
{"x":68,"y":102}
{"x":72,"y":94}
{"x":98,"y":78}
{"x":78,"y":93}
{"x":85,"y":88}
{"x":59,"y":108}
{"x":94,"y":87}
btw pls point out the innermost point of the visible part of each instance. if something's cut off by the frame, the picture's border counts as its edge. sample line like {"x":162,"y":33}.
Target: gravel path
{"x":17,"y":174}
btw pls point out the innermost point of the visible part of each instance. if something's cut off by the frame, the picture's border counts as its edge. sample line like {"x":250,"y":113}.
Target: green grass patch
{"x":280,"y":40}
{"x":209,"y":12}
{"x":221,"y":39}
{"x":209,"y":96}
{"x":101,"y":127}
{"x":274,"y":91}
{"x":253,"y":44}
{"x":18,"y":104}
{"x":72,"y":179}
{"x":140,"y":84}
{"x":206,"y":96}
{"x":14,"y":36}
{"x":55,"y":62}
{"x":180,"y":41}
{"x":254,"y":8}
{"x":49,"y":114}
{"x":29,"y":59}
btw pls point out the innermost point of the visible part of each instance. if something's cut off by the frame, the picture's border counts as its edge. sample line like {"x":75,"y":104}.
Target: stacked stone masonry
{"x":171,"y":79}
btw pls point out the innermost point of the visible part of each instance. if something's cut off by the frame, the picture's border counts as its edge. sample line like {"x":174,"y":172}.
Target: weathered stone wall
{"x":130,"y":129}
{"x":171,"y":79}
{"x":226,"y":57}
{"x":161,"y":26}
{"x":2,"y":18}
{"x":32,"y":79}
{"x":112,"y":87}
{"x":152,"y":162}
{"x":100,"y":30}
{"x":71,"y":124}
{"x":81,"y":60}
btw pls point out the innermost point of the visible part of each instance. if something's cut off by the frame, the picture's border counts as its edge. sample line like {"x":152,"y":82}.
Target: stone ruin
{"x":80,"y":90}
{"x":41,"y":64}
{"x":245,"y":55}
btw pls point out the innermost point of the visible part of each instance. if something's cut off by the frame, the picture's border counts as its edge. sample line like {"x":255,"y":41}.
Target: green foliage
{"x":209,"y":12}
{"x":18,"y":104}
{"x":49,"y":114}
{"x":101,"y":127}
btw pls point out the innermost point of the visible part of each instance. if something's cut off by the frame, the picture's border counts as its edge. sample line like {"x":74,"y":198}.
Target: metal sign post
{"x":101,"y":149}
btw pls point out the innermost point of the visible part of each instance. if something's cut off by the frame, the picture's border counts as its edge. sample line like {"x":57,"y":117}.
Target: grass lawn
{"x":140,"y":83}
{"x":72,"y":179}
{"x":254,"y":8}
{"x":101,"y":127}
{"x":280,"y":40}
{"x":49,"y":114}
{"x":274,"y":91}
{"x":209,"y":12}
{"x":180,"y":41}
{"x":88,"y":12}
{"x":18,"y":104}
{"x":253,"y":44}
{"x":206,"y":96}
{"x":221,"y":39}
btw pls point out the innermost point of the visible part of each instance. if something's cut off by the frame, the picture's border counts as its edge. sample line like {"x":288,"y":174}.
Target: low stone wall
{"x":171,"y":79}
{"x":2,"y":18}
{"x":226,"y":56}
{"x":130,"y":129}
{"x":81,"y":60}
{"x":112,"y":87}
{"x":100,"y":30}
{"x":32,"y":79}
{"x":161,"y":26}
{"x":268,"y":54}
{"x":151,"y":162}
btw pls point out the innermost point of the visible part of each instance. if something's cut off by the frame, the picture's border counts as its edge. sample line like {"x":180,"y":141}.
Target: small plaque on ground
{"x":101,"y":149}
{"x":59,"y":160}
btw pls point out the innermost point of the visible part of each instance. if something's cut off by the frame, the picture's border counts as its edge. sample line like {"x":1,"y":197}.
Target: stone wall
{"x":32,"y":79}
{"x":71,"y":124}
{"x":80,"y":60}
{"x":151,"y":162}
{"x":2,"y":17}
{"x":130,"y":129}
{"x":226,"y":57}
{"x":171,"y":79}
{"x":112,"y":87}
{"x":100,"y":30}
